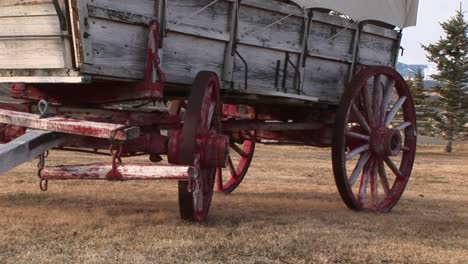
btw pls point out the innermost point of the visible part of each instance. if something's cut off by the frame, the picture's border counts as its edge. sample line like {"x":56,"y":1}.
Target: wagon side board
{"x":282,"y":57}
{"x":272,"y":47}
{"x":31,"y":36}
{"x":114,"y":36}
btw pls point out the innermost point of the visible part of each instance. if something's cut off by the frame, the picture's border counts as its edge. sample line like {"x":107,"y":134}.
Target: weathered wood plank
{"x":325,"y":79}
{"x":375,"y":48}
{"x":212,"y":22}
{"x":329,"y":40}
{"x":31,"y":54}
{"x":29,"y":26}
{"x":43,"y":79}
{"x":118,"y":15}
{"x":333,"y":20}
{"x":117,"y":46}
{"x":141,"y":7}
{"x":255,"y":28}
{"x":262,"y":64}
{"x":275,"y":6}
{"x":39,"y":73}
{"x":13,"y":8}
{"x":380,"y":31}
{"x":184,"y":56}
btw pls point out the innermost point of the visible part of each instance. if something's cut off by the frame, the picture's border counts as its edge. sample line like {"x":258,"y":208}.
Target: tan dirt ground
{"x":287,"y":211}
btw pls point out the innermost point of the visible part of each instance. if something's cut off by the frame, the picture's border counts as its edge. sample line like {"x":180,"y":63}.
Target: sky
{"x":428,"y":29}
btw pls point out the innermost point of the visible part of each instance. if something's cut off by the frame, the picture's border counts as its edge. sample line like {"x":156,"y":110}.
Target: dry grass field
{"x":287,"y":211}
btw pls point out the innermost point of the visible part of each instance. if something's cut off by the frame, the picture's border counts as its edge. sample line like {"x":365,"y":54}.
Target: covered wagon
{"x":224,"y":75}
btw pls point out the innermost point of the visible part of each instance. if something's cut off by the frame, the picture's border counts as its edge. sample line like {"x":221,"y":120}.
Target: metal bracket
{"x":355,"y":49}
{"x":246,"y":70}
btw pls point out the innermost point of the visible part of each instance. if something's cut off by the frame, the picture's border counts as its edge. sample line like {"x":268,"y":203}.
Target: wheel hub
{"x":386,"y":142}
{"x":214,"y":149}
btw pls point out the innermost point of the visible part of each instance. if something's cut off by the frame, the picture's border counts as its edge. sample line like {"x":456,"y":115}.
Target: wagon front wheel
{"x":374,"y":140}
{"x":202,"y":120}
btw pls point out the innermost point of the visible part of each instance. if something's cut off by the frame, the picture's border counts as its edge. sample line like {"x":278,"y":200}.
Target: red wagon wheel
{"x":242,"y":150}
{"x":202,"y":118}
{"x":375,"y":140}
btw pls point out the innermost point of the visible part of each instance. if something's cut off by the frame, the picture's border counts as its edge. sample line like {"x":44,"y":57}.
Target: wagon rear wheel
{"x":242,"y":146}
{"x":201,"y":119}
{"x":375,"y":140}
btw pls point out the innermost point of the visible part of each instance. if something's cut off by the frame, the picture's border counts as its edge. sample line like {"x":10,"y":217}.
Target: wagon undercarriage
{"x":203,"y":90}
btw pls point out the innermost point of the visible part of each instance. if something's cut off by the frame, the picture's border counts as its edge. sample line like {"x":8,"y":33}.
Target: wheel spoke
{"x":239,"y":151}
{"x":393,"y":167}
{"x":357,"y":151}
{"x":219,"y":179}
{"x":383,"y":178}
{"x":386,"y":99}
{"x":357,"y":135}
{"x":377,"y":100}
{"x":394,"y":110}
{"x":364,"y":183}
{"x":211,"y":111}
{"x":403,"y":126}
{"x":232,"y":169}
{"x":368,"y":105}
{"x":358,"y":169}
{"x":375,"y":184}
{"x":361,"y":120}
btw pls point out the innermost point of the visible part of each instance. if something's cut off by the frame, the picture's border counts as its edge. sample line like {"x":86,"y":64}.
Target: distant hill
{"x":409,"y":71}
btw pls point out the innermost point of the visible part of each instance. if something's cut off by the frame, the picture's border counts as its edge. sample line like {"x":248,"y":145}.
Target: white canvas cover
{"x":400,"y":13}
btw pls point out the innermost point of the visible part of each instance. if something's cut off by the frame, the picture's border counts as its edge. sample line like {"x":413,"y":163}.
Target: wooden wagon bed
{"x":270,"y":48}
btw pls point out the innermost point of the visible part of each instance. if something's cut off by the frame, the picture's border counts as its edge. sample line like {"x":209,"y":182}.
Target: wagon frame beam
{"x":27,"y":147}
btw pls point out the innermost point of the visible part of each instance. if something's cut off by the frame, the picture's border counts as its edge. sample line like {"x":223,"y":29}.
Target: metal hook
{"x":43,"y":106}
{"x":43,"y":185}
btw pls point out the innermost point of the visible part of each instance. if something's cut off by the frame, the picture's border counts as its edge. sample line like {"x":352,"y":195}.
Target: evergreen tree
{"x":450,"y":54}
{"x":422,"y":106}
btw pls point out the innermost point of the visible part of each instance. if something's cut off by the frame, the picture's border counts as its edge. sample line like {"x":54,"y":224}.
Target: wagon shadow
{"x":279,"y":208}
{"x":73,"y":204}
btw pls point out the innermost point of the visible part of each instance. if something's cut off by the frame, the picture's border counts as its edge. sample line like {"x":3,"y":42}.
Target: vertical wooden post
{"x":355,"y":49}
{"x":396,"y":49}
{"x":229,"y":57}
{"x":305,"y":50}
{"x":85,"y":36}
{"x":162,"y":18}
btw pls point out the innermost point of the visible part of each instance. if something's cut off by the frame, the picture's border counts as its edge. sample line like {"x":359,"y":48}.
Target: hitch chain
{"x":116,"y":149}
{"x":116,"y":153}
{"x":43,"y":182}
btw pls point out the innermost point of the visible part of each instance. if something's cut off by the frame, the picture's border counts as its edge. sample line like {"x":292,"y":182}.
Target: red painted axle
{"x":129,"y":171}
